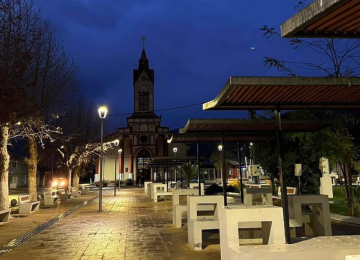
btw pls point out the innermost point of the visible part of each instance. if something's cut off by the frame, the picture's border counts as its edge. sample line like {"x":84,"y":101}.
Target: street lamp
{"x":102,"y":114}
{"x":116,"y":143}
{"x":119,"y":152}
{"x":220,"y":147}
{"x":175,"y":151}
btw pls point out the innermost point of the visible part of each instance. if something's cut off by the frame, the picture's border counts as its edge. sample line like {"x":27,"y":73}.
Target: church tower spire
{"x":143,"y":84}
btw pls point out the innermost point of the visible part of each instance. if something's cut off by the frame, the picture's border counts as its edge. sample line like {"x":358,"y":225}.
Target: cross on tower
{"x":143,"y":39}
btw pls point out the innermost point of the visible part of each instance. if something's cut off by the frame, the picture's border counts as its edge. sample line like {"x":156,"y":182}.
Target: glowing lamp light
{"x":18,"y":123}
{"x":116,"y":142}
{"x":62,"y":184}
{"x":175,"y":149}
{"x":54,"y":184}
{"x":220,"y":147}
{"x":120,"y":151}
{"x":102,"y":112}
{"x":251,"y":144}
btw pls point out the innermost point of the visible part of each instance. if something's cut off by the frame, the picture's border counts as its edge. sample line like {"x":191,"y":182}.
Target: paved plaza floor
{"x":131,"y":226}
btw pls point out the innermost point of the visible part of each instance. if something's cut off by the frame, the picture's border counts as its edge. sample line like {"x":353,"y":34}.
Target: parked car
{"x":196,"y":180}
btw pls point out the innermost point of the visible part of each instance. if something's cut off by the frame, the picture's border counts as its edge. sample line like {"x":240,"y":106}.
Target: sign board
{"x":298,"y":169}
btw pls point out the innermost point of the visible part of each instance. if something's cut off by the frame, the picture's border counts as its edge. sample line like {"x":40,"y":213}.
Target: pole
{"x":284,"y":197}
{"x":198,"y":159}
{"x":167,"y":177}
{"x":223,"y":169}
{"x":101,"y":168}
{"x":241,"y":180}
{"x":115,"y":175}
{"x":52,"y":166}
{"x":181,"y":177}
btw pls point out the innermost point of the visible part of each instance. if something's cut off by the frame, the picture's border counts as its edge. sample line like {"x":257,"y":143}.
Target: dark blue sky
{"x":193,"y":46}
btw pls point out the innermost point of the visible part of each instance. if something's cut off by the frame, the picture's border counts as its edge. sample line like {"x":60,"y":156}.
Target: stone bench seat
{"x":75,"y":193}
{"x":26,"y":206}
{"x":161,"y":195}
{"x":5,"y":215}
{"x":49,"y":199}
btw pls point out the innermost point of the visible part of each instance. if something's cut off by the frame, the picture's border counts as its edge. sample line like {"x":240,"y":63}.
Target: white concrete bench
{"x":232,"y":218}
{"x":49,"y":199}
{"x":83,"y":189}
{"x":159,"y":191}
{"x":316,"y":220}
{"x":5,"y":215}
{"x":63,"y":195}
{"x":26,"y":206}
{"x":75,"y":193}
{"x":146,"y":188}
{"x":196,"y":186}
{"x":196,"y":224}
{"x":290,"y":191}
{"x":178,"y":209}
{"x":258,"y":196}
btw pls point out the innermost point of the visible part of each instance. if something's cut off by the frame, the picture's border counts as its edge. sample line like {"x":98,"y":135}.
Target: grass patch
{"x":339,"y":206}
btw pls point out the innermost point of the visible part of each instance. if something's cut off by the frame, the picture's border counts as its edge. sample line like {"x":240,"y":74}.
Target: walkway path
{"x":131,"y":227}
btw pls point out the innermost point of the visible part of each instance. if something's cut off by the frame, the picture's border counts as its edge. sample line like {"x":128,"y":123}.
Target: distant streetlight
{"x":18,"y":123}
{"x":119,"y":152}
{"x":116,"y":143}
{"x":220,"y":147}
{"x":102,"y":114}
{"x":175,"y":151}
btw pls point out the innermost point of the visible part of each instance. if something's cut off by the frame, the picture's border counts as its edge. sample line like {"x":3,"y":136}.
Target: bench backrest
{"x":194,"y":201}
{"x":47,"y":194}
{"x":254,"y":186}
{"x":196,"y":186}
{"x":24,"y":199}
{"x":182,"y":192}
{"x":290,"y":191}
{"x":62,"y":191}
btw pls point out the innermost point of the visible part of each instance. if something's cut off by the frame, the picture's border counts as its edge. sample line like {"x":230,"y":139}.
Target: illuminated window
{"x":143,"y":99}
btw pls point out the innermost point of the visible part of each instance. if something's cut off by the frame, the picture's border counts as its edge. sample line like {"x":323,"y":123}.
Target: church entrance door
{"x":143,"y":172}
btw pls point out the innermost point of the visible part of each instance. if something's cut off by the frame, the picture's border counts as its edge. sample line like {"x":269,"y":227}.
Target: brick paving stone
{"x":131,"y":227}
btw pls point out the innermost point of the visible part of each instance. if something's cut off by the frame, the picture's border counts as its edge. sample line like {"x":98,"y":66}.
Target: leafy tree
{"x":190,"y":171}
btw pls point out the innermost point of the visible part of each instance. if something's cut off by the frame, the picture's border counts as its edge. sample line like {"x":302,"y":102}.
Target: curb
{"x":25,"y":237}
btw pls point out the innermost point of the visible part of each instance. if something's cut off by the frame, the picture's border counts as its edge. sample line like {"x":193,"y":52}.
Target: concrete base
{"x":4,"y":215}
{"x":196,"y":186}
{"x":321,"y":248}
{"x":258,"y":196}
{"x":50,"y":200}
{"x":326,"y":186}
{"x":146,"y":188}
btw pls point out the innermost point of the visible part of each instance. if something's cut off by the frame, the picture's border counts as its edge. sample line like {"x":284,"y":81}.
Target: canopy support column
{"x":240,"y":175}
{"x":223,"y":169}
{"x":198,"y":159}
{"x":284,"y":197}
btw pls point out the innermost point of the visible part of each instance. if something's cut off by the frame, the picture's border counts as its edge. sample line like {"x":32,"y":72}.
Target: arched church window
{"x":144,"y":99}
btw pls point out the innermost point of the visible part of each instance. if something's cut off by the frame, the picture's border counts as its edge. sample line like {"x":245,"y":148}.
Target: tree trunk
{"x":69,"y":179}
{"x":4,"y":168}
{"x":31,"y":163}
{"x":351,"y":203}
{"x":76,"y":178}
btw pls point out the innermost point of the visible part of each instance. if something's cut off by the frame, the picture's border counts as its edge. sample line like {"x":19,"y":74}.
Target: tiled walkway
{"x":131,"y":227}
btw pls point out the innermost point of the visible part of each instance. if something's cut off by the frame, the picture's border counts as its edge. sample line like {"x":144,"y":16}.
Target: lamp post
{"x":102,"y":114}
{"x":116,"y":143}
{"x":175,"y":151}
{"x":221,"y":149}
{"x":120,"y":152}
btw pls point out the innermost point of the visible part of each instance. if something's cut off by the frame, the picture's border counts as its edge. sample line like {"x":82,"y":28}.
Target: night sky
{"x":194,"y":46}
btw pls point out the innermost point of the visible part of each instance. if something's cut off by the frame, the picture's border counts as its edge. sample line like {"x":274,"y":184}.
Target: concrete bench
{"x":258,"y":196}
{"x":231,"y":219}
{"x":26,"y":206}
{"x":83,"y":189}
{"x":146,"y":188}
{"x":196,"y":223}
{"x":179,"y":209}
{"x":196,"y":186}
{"x":159,"y":190}
{"x":49,"y":199}
{"x":290,"y":191}
{"x":64,"y":196}
{"x":316,"y":219}
{"x":5,"y":215}
{"x":75,"y":193}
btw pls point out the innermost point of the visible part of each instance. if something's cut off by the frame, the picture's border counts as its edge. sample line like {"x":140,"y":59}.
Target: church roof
{"x":144,"y":66}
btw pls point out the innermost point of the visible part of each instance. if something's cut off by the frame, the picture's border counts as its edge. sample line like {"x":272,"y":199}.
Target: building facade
{"x":143,"y":138}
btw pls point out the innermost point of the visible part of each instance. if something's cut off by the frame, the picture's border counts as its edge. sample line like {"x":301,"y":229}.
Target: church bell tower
{"x":143,"y":85}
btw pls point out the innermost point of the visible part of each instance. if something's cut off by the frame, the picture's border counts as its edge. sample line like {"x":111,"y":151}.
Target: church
{"x":143,"y":138}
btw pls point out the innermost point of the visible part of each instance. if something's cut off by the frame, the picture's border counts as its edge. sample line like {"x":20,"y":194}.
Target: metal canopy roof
{"x":289,"y":93}
{"x":325,"y":19}
{"x":240,"y":130}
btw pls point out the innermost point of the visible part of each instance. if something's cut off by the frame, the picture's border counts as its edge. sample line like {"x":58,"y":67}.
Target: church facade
{"x":143,"y":138}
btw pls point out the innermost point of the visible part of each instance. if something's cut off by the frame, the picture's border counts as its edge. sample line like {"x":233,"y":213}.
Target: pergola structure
{"x":170,"y":161}
{"x":286,"y":93}
{"x":325,"y":19}
{"x":238,"y":130}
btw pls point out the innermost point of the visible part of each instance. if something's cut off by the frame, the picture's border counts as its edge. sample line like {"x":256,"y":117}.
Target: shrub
{"x":129,"y":182}
{"x":105,"y":183}
{"x":121,"y":182}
